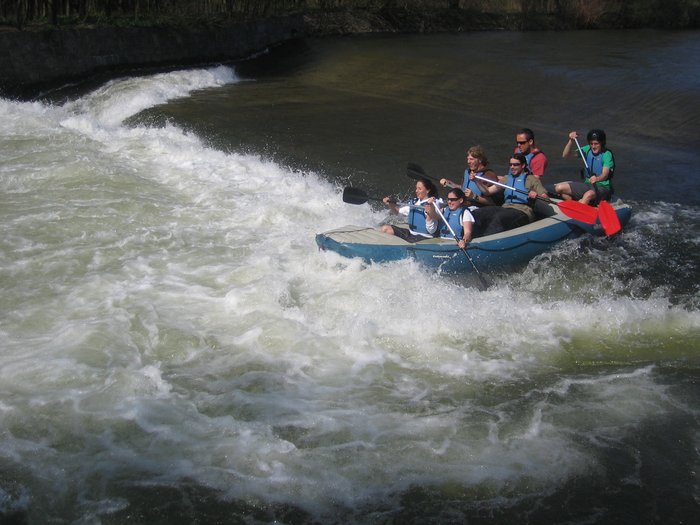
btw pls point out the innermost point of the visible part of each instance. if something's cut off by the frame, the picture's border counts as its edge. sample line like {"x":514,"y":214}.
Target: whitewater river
{"x":175,"y":349}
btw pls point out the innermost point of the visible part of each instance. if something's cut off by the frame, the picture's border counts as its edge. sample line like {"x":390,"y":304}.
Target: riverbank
{"x":42,"y":56}
{"x":34,"y":61}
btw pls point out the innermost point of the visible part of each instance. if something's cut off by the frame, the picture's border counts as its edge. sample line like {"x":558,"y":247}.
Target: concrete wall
{"x":30,"y":61}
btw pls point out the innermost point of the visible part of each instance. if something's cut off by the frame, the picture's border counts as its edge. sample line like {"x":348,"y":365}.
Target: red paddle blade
{"x":579,"y":211}
{"x":608,"y":218}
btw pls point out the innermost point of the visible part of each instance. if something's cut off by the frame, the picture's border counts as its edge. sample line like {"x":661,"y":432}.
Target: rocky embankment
{"x":34,"y":60}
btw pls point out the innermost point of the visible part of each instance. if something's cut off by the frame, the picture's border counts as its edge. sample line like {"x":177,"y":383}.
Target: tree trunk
{"x":21,"y":13}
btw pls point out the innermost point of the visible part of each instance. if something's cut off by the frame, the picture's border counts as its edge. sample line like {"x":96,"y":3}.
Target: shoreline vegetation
{"x":340,"y":17}
{"x":46,"y":44}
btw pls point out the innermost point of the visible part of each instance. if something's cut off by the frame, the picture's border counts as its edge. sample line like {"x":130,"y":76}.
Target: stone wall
{"x":30,"y":61}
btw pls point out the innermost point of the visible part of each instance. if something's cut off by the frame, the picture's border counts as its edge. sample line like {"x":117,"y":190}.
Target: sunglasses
{"x":453,"y":199}
{"x":521,"y":141}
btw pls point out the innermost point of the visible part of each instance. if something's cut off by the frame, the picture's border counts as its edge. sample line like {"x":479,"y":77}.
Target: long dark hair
{"x":432,"y":190}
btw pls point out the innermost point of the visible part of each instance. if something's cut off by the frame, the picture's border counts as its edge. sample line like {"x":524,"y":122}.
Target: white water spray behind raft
{"x":167,"y":319}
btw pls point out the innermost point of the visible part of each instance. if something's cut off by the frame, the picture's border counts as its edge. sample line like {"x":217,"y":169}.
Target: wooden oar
{"x":574,"y":209}
{"x":606,"y":213}
{"x":484,"y":284}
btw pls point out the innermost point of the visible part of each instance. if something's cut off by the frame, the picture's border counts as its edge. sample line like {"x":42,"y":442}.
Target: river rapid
{"x":175,"y":349}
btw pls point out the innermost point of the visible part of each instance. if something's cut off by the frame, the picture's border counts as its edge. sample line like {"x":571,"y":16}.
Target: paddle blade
{"x":354,"y":196}
{"x":579,"y":211}
{"x":415,"y":171}
{"x":608,"y":218}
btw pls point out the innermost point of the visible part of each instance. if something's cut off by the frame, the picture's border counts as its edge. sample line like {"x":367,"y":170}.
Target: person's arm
{"x":393,"y":208}
{"x":448,"y":183}
{"x":487,"y":189}
{"x":467,"y":226}
{"x":570,"y":144}
{"x":535,"y":187}
{"x":479,"y":200}
{"x":431,"y":217}
{"x":601,"y":177}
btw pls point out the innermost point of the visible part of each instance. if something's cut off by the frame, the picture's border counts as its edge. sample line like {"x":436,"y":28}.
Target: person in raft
{"x":517,"y":208}
{"x":477,"y":164}
{"x":597,"y":183}
{"x":536,"y":160}
{"x":456,"y":215}
{"x":415,"y":211}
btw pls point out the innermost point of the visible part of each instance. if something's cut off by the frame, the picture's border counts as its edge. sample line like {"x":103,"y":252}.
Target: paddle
{"x":416,"y":172}
{"x":574,"y":209}
{"x":606,"y":213}
{"x":608,"y":218}
{"x":357,"y":196}
{"x":484,"y":284}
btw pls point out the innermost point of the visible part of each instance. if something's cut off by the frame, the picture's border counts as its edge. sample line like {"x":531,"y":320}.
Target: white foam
{"x":120,"y":99}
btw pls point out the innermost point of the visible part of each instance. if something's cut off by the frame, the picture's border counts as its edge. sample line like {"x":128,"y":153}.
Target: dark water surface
{"x":361,"y":107}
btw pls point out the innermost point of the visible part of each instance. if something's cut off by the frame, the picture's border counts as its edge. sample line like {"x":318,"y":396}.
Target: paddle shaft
{"x":471,"y":261}
{"x":378,"y":199}
{"x":576,"y":210}
{"x":512,"y":188}
{"x":358,"y":196}
{"x":416,"y":172}
{"x":419,"y":172}
{"x":583,"y":157}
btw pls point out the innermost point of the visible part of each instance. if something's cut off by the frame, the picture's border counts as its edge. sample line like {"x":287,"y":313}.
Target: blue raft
{"x":494,"y":252}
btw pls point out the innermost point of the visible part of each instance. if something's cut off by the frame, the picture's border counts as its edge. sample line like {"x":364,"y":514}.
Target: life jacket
{"x":471,"y":184}
{"x":416,"y":219}
{"x":530,"y":155}
{"x":515,"y":197}
{"x":595,"y":167}
{"x":454,"y":219}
